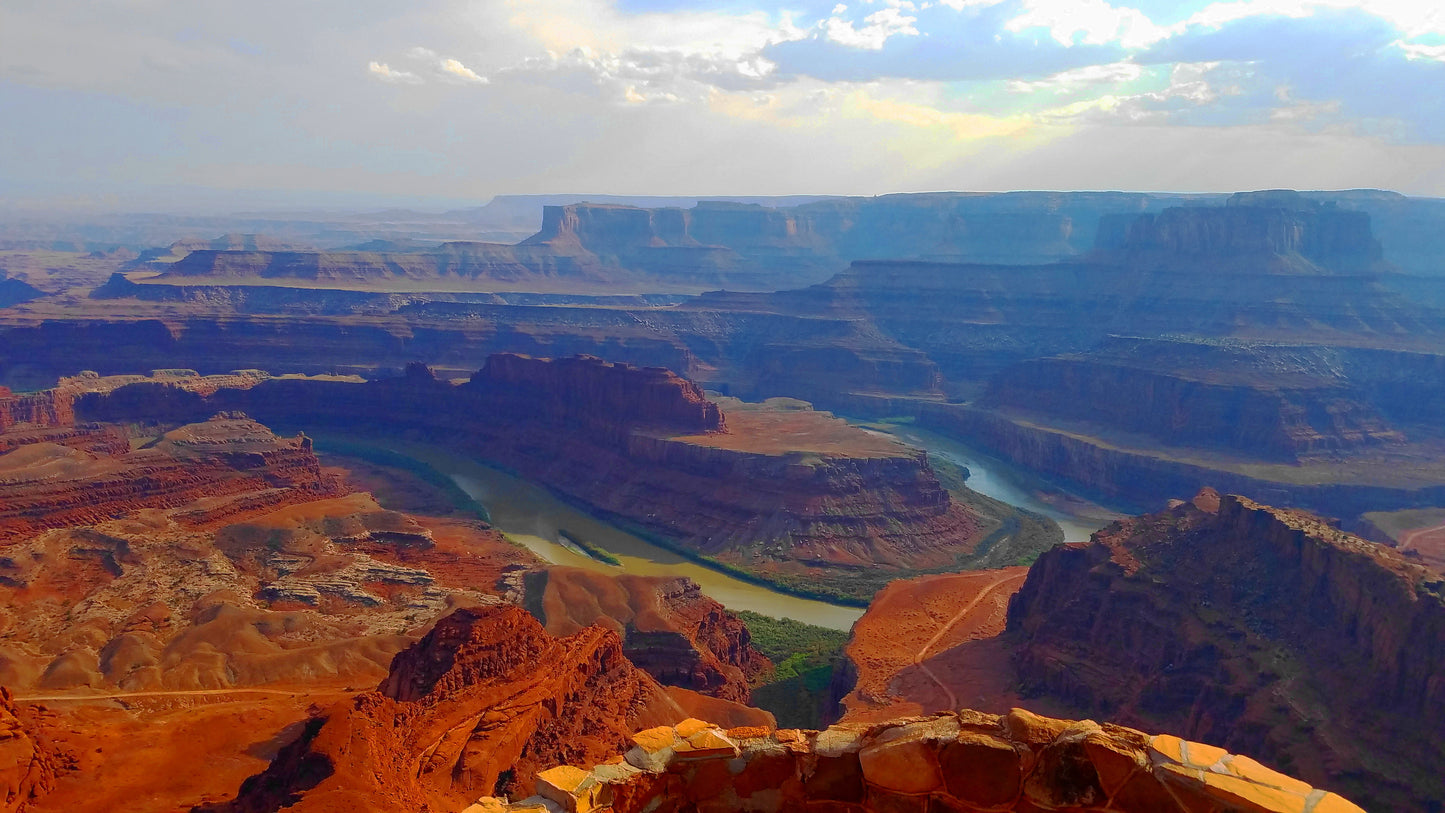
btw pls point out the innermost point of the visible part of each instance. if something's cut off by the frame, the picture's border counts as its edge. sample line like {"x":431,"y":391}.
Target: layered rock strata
{"x":476,"y":708}
{"x":1263,"y":630}
{"x":964,"y":761}
{"x":222,"y":466}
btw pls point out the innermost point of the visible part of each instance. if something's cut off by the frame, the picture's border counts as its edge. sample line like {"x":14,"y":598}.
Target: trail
{"x":51,"y":698}
{"x":959,"y":616}
{"x":1409,"y":538}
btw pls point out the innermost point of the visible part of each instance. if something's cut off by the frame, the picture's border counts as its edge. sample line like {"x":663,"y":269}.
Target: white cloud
{"x":1414,"y":52}
{"x":878,"y":27}
{"x":386,"y":73}
{"x":457,"y":69}
{"x":1094,"y":21}
{"x":1414,"y":18}
{"x":1113,"y":73}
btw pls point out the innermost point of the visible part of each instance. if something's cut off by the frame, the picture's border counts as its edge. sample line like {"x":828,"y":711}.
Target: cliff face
{"x":1278,"y":403}
{"x":587,"y":392}
{"x":1262,"y":630}
{"x":40,"y":409}
{"x":475,"y":708}
{"x":960,"y":761}
{"x":669,"y":629}
{"x":1278,"y":237}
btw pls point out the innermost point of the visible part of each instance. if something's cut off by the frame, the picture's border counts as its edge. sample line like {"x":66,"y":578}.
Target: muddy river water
{"x":536,"y":518}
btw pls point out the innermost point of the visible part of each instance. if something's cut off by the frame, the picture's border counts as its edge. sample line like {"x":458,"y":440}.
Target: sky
{"x":173,"y":105}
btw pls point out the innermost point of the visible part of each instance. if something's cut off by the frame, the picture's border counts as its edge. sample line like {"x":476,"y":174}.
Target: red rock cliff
{"x":475,"y":708}
{"x":1262,"y":630}
{"x":585,"y":391}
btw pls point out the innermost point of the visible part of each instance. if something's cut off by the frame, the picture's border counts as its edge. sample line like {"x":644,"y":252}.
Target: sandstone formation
{"x":1263,"y":630}
{"x":215,"y":555}
{"x":222,"y":466}
{"x":801,"y":497}
{"x":476,"y":708}
{"x":959,"y":761}
{"x":669,"y":629}
{"x":27,"y":766}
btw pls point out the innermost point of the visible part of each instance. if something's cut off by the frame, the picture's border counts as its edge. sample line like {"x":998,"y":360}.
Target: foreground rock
{"x":1263,"y":630}
{"x":476,"y":708}
{"x":966,"y":761}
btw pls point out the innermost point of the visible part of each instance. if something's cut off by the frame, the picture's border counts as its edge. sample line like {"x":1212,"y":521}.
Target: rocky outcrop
{"x":964,"y":761}
{"x":1263,"y":630}
{"x":47,"y":408}
{"x":669,"y":628}
{"x":27,"y":766}
{"x":475,"y":708}
{"x":227,"y":463}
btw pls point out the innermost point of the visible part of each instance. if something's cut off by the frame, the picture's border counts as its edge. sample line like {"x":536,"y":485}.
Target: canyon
{"x":796,"y":497}
{"x":221,"y":537}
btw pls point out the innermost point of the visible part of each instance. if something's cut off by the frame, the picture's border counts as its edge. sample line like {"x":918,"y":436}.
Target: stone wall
{"x":965,"y":761}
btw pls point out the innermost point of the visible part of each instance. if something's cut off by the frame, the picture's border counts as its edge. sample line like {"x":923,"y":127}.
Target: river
{"x":1005,"y":482}
{"x":532,"y":516}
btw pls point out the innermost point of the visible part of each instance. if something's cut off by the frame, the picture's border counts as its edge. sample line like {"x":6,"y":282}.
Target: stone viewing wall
{"x":966,"y":761}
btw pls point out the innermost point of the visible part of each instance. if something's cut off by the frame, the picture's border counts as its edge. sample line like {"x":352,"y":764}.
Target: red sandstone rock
{"x":475,"y":708}
{"x":1256,"y":628}
{"x":965,"y":761}
{"x":27,"y":767}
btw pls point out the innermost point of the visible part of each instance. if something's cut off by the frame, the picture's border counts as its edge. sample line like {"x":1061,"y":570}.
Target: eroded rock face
{"x":1283,"y":403}
{"x":1263,"y":630}
{"x":56,"y":479}
{"x":963,"y":762}
{"x":668,"y":627}
{"x":585,"y":391}
{"x":476,"y":708}
{"x":27,"y":767}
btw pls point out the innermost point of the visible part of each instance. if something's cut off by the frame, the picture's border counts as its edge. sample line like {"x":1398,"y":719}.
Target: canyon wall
{"x":1139,"y":477}
{"x":1261,"y":630}
{"x":1263,"y":403}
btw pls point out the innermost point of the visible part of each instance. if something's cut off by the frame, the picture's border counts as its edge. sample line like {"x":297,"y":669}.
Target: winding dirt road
{"x":959,"y":616}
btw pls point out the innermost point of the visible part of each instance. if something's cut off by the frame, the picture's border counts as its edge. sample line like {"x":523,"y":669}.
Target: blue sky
{"x":170,"y":104}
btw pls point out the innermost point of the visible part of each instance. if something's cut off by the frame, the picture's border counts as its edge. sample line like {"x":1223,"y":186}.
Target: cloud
{"x":384,"y":72}
{"x":1093,"y":22}
{"x":457,"y":69}
{"x":1111,"y":74}
{"x":877,"y":28}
